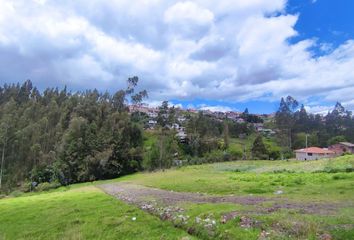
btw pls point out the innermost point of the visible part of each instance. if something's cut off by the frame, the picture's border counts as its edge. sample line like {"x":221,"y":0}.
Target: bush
{"x":283,"y":171}
{"x":16,"y":193}
{"x":47,"y":186}
{"x":340,"y":176}
{"x":335,"y":170}
{"x":258,"y":190}
{"x":236,"y":154}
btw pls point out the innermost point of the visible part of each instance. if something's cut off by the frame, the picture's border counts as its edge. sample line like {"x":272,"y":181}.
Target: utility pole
{"x":306,"y":139}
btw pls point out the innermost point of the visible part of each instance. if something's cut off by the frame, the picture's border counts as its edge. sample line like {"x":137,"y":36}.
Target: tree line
{"x":295,"y":125}
{"x":61,"y":137}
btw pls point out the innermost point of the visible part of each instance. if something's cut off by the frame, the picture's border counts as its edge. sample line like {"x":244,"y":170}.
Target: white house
{"x":313,"y":153}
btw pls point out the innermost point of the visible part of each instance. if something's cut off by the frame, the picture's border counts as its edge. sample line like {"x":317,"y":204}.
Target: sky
{"x":205,"y":54}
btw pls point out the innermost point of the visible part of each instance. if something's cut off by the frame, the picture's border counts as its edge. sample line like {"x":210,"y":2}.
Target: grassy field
{"x":317,"y":200}
{"x":296,"y":179}
{"x":79,"y":213}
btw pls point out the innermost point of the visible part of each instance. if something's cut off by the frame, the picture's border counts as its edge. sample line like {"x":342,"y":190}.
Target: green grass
{"x":297,"y":180}
{"x":150,"y":138}
{"x":81,"y":213}
{"x":321,"y":182}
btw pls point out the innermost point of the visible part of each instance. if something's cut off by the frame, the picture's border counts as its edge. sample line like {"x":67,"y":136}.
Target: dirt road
{"x":146,"y":197}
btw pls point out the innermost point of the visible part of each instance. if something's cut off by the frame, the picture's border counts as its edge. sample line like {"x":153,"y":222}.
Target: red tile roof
{"x":315,"y":150}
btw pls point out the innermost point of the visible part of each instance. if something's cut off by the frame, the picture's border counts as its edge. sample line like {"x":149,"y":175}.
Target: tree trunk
{"x":2,"y":162}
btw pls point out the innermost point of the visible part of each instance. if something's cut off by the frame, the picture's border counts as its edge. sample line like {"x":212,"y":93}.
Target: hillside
{"x":56,"y":137}
{"x":233,"y":200}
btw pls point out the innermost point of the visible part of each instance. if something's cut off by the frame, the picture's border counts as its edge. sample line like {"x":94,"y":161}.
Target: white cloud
{"x":322,"y":110}
{"x":188,"y":20}
{"x":215,"y":108}
{"x":188,"y":12}
{"x":206,"y":49}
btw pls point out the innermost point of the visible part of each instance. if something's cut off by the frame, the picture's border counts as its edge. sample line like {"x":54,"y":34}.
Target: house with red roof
{"x":313,"y":153}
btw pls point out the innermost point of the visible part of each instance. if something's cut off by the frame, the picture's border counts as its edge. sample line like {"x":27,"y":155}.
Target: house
{"x":267,"y":132}
{"x":152,"y":124}
{"x":152,"y":114}
{"x":258,"y":127}
{"x":181,"y":119}
{"x":342,"y":147}
{"x":240,"y":120}
{"x":313,"y":153}
{"x":182,"y":136}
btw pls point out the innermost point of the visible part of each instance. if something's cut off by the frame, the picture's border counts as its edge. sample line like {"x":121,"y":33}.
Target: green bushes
{"x":16,"y":193}
{"x":236,"y":154}
{"x":340,"y":176}
{"x":47,"y":186}
{"x":328,"y":169}
{"x":258,"y":190}
{"x":283,"y":171}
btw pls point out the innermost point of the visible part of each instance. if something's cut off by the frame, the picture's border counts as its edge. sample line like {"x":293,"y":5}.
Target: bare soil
{"x":146,"y":198}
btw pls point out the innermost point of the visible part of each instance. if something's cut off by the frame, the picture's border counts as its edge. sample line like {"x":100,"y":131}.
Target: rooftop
{"x":315,"y":150}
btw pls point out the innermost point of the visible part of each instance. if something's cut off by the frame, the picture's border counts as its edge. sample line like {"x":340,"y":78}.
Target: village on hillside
{"x":182,"y":116}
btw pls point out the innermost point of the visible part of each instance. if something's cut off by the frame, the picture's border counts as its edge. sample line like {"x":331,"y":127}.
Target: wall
{"x":304,"y":156}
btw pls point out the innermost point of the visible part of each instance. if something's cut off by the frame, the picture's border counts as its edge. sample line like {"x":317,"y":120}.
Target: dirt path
{"x":169,"y":206}
{"x":152,"y":198}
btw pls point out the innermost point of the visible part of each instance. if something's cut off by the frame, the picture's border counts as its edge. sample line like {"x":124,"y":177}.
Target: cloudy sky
{"x":225,"y":54}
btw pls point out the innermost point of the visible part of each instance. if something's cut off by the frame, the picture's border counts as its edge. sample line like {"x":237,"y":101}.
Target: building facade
{"x":342,"y":148}
{"x":313,"y":153}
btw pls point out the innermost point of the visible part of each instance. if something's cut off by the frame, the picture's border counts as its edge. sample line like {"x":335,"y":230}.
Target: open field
{"x":80,"y":213}
{"x":233,"y":200}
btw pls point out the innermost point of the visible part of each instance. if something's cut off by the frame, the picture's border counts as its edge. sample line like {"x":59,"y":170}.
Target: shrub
{"x":16,"y":193}
{"x":257,"y":190}
{"x":47,"y":186}
{"x":283,"y":171}
{"x":236,"y":154}
{"x":339,"y":176}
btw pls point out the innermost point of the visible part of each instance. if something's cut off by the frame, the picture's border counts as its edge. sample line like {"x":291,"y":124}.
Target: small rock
{"x":246,"y":222}
{"x":263,"y":235}
{"x":278,"y":192}
{"x":325,"y":236}
{"x":191,"y":230}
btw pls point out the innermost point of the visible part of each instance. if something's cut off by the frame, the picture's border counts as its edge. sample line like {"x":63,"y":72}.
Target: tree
{"x":259,"y":151}
{"x":226,"y":135}
{"x":163,"y":116}
{"x":4,"y":130}
{"x":284,"y":118}
{"x":336,"y":139}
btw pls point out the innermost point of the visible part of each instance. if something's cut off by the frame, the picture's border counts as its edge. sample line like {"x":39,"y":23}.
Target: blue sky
{"x":329,"y":21}
{"x":219,"y":55}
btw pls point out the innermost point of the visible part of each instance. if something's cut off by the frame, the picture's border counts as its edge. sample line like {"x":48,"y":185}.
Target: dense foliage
{"x":294,"y":125}
{"x":59,"y":136}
